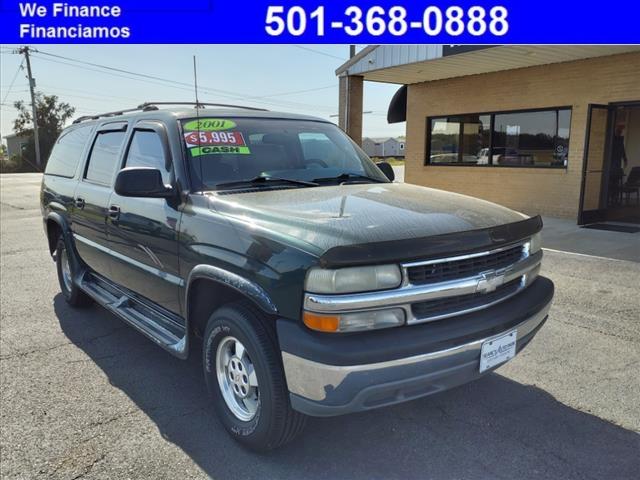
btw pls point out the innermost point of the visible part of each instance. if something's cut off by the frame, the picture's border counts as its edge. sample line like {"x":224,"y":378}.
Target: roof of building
{"x":383,"y":139}
{"x":14,"y":135}
{"x":407,"y":64}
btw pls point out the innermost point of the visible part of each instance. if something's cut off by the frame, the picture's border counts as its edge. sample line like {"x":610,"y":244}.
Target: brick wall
{"x":547,"y":191}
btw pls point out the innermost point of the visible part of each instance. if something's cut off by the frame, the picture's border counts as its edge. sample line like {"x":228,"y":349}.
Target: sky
{"x":289,"y":78}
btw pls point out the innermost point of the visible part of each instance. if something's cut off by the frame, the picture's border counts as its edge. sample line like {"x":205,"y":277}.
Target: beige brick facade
{"x":531,"y":190}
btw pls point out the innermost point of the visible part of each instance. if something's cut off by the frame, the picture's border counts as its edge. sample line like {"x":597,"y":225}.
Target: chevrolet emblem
{"x":490,"y":281}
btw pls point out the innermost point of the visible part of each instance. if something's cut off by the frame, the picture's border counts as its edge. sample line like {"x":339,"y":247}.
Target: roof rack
{"x":150,"y":106}
{"x":108,"y":114}
{"x":202,"y":105}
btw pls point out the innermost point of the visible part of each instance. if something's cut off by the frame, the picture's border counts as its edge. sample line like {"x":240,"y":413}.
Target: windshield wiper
{"x":264,"y":179}
{"x":347,"y":176}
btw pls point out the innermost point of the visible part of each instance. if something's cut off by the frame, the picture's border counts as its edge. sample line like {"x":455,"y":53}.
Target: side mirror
{"x":142,"y":182}
{"x":387,"y":170}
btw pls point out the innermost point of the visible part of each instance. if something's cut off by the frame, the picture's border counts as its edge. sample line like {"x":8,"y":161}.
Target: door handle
{"x":114,"y":212}
{"x":79,"y":202}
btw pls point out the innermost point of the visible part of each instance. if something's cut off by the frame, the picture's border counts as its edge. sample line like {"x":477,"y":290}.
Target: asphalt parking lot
{"x":84,"y":396}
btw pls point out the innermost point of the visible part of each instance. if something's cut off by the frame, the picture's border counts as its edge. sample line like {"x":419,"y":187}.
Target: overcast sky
{"x":288,"y":78}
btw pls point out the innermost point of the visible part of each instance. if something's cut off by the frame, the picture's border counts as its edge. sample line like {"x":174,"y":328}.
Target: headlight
{"x":355,"y":322}
{"x":353,"y":279}
{"x":535,"y":244}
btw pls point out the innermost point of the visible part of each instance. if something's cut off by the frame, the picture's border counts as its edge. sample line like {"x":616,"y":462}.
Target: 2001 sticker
{"x":209,"y":125}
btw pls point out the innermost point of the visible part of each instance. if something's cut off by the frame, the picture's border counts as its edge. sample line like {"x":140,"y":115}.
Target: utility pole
{"x":34,"y":109}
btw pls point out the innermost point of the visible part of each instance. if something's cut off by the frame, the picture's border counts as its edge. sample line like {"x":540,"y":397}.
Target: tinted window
{"x":67,"y":152}
{"x":318,"y":149}
{"x":461,"y":139}
{"x":532,"y":138}
{"x":229,"y":150}
{"x":146,"y":150}
{"x":103,"y":160}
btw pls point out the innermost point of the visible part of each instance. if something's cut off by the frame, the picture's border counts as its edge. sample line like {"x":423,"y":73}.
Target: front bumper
{"x":325,"y":377}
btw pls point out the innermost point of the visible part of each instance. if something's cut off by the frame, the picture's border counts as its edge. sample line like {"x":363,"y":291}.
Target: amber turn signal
{"x":322,"y":323}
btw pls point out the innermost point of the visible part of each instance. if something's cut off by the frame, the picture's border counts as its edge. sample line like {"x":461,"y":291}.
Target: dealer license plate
{"x":498,"y":350}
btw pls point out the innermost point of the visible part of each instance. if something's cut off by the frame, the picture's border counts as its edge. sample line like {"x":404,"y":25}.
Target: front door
{"x":593,"y":198}
{"x":143,"y":232}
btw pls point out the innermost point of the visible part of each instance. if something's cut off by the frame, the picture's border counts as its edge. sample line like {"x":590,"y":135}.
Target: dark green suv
{"x":316,"y":285}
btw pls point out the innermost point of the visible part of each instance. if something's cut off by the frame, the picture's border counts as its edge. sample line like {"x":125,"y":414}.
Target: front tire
{"x":244,"y":376}
{"x":72,"y":294}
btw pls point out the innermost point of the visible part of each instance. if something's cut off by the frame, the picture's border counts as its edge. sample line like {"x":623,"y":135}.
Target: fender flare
{"x":67,"y":236}
{"x":246,"y":287}
{"x":62,"y":223}
{"x":77,"y":265}
{"x":242,"y":285}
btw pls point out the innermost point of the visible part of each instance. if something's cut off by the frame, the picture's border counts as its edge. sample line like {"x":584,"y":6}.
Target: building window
{"x":534,"y":138}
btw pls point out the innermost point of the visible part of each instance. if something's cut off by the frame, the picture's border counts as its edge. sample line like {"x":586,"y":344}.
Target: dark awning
{"x":398,"y":107}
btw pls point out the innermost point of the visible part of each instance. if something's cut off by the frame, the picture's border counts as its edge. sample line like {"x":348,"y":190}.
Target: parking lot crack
{"x":89,"y":467}
{"x":601,"y":332}
{"x":31,"y":352}
{"x":60,"y":345}
{"x":15,"y":207}
{"x":120,"y":416}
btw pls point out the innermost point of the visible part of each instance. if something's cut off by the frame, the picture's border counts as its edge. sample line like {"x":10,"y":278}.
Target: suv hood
{"x":330,"y":216}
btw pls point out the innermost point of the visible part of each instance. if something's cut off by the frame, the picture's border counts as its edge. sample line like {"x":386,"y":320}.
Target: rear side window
{"x":146,"y":150}
{"x":103,"y":160}
{"x":67,"y":152}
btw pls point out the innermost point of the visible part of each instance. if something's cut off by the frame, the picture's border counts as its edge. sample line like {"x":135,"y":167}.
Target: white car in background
{"x":500,"y":155}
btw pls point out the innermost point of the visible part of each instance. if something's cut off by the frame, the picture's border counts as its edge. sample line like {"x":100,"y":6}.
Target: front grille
{"x":445,"y":307}
{"x":468,"y":267}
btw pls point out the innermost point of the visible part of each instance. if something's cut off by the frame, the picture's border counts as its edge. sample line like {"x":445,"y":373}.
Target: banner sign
{"x":453,"y":22}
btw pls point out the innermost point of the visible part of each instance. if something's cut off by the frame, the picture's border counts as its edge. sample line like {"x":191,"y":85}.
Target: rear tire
{"x":245,"y":378}
{"x":72,"y":294}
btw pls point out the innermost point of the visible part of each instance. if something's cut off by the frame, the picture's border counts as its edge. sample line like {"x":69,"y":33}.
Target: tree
{"x":52,"y":116}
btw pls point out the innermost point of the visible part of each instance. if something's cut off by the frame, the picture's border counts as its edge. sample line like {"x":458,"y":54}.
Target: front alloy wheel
{"x":244,"y":375}
{"x":237,"y":379}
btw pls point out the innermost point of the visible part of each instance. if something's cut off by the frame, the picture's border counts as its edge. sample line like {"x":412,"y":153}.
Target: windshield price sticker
{"x":212,"y":142}
{"x":395,"y":20}
{"x":198,"y":139}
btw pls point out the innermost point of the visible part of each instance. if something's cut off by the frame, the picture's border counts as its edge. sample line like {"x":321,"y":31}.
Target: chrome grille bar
{"x":408,"y":294}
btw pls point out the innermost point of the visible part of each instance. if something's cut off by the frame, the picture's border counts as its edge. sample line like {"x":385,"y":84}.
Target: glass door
{"x":593,"y":197}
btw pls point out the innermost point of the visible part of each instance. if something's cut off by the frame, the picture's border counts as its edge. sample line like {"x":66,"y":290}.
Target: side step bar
{"x":161,"y":326}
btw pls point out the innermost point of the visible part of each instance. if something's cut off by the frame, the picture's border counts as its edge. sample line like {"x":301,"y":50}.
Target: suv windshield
{"x":225,"y":152}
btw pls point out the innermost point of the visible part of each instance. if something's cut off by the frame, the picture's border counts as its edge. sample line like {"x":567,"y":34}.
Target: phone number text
{"x":397,"y":21}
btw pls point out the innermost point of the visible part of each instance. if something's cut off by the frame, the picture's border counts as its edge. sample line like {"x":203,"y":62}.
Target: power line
{"x":320,"y":52}
{"x":298,"y":91}
{"x":118,"y":72}
{"x":228,"y":94}
{"x":94,"y":94}
{"x":13,"y":81}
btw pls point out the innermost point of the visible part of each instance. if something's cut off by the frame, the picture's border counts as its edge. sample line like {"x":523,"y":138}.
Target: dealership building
{"x":553,"y":130}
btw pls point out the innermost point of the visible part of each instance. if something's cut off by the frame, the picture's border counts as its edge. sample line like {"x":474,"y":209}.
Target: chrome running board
{"x":161,"y":326}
